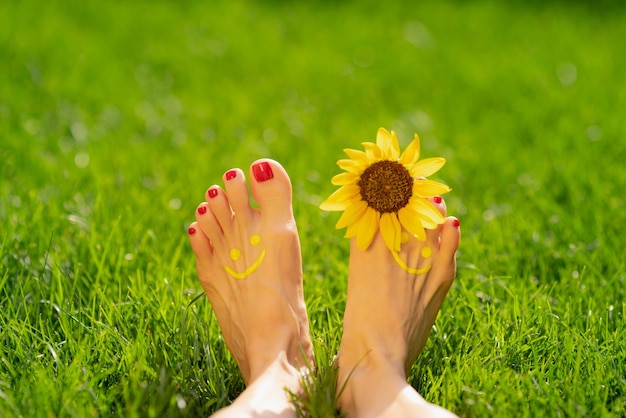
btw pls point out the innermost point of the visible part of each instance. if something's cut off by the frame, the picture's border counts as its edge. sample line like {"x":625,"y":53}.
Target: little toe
{"x":200,"y":243}
{"x":271,"y":189}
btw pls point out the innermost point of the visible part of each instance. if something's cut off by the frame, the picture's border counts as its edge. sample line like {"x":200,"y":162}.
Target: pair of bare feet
{"x":250,"y":266}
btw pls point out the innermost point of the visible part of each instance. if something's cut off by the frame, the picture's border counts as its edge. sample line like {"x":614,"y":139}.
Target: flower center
{"x":386,"y":186}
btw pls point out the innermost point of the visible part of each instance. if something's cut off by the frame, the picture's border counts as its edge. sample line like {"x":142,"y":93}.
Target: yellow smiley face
{"x":235,"y":254}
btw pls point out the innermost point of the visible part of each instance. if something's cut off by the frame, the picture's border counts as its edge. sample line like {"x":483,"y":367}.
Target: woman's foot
{"x":249,"y":264}
{"x":389,"y":315}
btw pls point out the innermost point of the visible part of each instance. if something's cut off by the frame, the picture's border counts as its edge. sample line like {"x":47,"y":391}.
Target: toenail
{"x":426,"y":252}
{"x":456,"y":223}
{"x":437,"y":199}
{"x":213,"y":192}
{"x":231,"y":174}
{"x":404,"y":238}
{"x":191,"y":230}
{"x":202,"y":210}
{"x":262,"y":171}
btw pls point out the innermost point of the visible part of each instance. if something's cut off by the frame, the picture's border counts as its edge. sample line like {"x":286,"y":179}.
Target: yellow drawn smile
{"x":426,"y":252}
{"x":235,"y":254}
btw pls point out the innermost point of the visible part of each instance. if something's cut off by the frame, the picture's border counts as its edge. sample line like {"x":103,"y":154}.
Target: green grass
{"x":116,"y":116}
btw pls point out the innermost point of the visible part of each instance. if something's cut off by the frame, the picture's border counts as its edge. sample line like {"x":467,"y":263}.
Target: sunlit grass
{"x":115,"y":117}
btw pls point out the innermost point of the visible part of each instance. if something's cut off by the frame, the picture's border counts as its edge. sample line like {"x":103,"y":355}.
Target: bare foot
{"x":249,"y":264}
{"x":389,"y":315}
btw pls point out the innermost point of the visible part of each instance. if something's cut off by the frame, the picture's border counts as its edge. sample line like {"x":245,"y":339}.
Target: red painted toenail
{"x":262,"y":171}
{"x":202,"y":210}
{"x":456,"y":223}
{"x":213,"y":193}
{"x":437,"y":199}
{"x":231,"y":174}
{"x":191,"y":230}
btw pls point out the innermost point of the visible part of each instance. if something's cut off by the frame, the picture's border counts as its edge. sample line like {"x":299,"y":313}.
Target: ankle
{"x":365,"y":390}
{"x":371,"y":356}
{"x":277,"y":365}
{"x":262,"y":354}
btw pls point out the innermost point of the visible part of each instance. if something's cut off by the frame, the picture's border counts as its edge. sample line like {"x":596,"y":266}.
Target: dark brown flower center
{"x":386,"y":186}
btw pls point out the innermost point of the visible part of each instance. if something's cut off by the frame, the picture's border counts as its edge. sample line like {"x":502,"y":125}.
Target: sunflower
{"x":384,"y":190}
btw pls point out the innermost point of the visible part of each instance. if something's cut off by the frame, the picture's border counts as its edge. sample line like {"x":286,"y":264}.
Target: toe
{"x":218,"y":205}
{"x":450,"y":239}
{"x":208,"y":223}
{"x":440,"y":203}
{"x":444,"y":270}
{"x":238,"y":197}
{"x":432,"y":235}
{"x":200,"y":243}
{"x":271,"y":189}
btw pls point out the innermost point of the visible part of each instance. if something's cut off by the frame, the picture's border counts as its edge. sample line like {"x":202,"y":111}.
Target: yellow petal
{"x":427,"y":210}
{"x":391,"y":230}
{"x":367,"y":228}
{"x":351,"y":230}
{"x":334,"y":206}
{"x":382,"y":138}
{"x":388,"y":143}
{"x":429,"y":225}
{"x":342,"y":198}
{"x":427,"y":167}
{"x":372,"y":150}
{"x":351,"y":166}
{"x":352,"y":214}
{"x":412,"y":153}
{"x":410,"y":220}
{"x":355,"y":155}
{"x":429,"y":188}
{"x":395,"y":147}
{"x":345,"y":179}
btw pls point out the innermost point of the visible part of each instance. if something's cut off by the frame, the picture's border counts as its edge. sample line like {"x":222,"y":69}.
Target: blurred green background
{"x":116,"y":116}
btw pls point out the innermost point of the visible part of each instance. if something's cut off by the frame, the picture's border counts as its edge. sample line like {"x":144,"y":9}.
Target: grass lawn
{"x":116,"y":116}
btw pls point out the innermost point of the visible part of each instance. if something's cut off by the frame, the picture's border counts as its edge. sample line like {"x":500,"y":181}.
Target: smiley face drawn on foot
{"x":406,"y":268}
{"x":235,"y":254}
{"x":426,"y":253}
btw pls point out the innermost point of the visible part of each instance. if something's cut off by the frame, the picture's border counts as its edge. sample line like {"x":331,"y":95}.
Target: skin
{"x":380,"y":344}
{"x":263,"y":316}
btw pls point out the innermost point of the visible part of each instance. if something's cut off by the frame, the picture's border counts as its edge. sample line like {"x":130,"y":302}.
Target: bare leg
{"x":249,"y":264}
{"x":389,"y":314}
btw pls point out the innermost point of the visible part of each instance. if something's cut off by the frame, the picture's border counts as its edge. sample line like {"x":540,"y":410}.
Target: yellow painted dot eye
{"x":235,"y":254}
{"x":404,"y":238}
{"x":255,"y":240}
{"x":426,"y":252}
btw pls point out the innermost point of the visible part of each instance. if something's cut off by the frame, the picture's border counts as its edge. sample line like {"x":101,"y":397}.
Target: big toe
{"x":271,"y":189}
